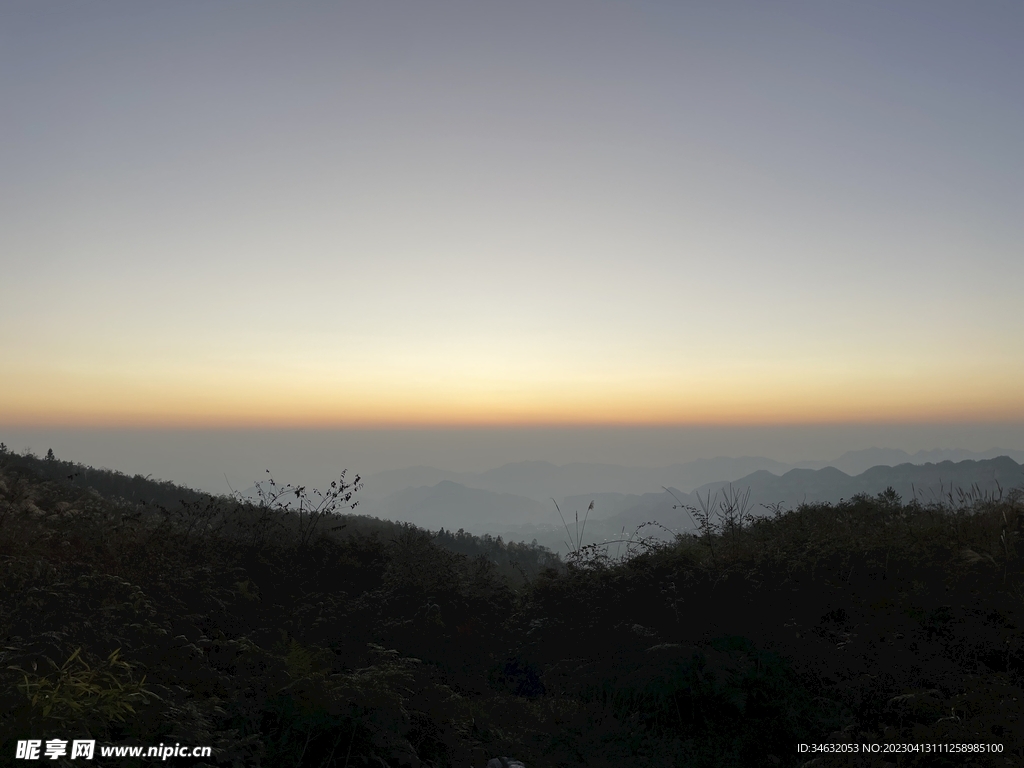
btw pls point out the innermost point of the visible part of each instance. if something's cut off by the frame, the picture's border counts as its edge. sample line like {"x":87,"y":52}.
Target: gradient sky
{"x":511,"y":213}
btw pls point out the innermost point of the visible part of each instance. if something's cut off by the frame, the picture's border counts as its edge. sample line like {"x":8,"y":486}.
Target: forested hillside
{"x":309,"y":636}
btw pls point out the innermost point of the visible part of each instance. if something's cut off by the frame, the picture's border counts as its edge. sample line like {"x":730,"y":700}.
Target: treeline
{"x":525,"y":560}
{"x":295,"y":633}
{"x":108,"y":483}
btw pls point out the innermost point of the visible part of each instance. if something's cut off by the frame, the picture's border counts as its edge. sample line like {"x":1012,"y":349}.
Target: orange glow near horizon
{"x":709,"y":401}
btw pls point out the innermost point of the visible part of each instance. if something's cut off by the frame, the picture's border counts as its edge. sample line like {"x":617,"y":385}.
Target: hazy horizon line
{"x":385,"y":426}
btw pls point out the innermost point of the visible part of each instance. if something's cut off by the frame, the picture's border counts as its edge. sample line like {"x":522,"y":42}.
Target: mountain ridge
{"x":451,"y":505}
{"x":542,"y":480}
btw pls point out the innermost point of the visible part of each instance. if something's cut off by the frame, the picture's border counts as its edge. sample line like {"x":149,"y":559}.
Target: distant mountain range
{"x":857,"y":462}
{"x":927,"y":483}
{"x":542,"y":481}
{"x":453,"y":505}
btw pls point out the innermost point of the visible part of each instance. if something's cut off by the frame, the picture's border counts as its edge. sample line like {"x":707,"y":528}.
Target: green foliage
{"x":77,"y":694}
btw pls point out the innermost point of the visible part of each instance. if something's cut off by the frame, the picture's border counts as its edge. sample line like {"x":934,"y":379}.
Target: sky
{"x":530,"y":215}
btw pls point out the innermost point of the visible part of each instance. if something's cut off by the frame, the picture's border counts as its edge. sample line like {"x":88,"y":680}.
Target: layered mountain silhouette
{"x":857,"y":462}
{"x":927,"y":483}
{"x":541,"y":480}
{"x":453,"y":505}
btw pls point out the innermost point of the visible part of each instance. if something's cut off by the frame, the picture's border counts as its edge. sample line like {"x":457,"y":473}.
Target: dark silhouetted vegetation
{"x":301,"y":634}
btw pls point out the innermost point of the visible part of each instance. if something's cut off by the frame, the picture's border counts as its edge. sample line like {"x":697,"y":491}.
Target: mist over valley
{"x":518,"y":500}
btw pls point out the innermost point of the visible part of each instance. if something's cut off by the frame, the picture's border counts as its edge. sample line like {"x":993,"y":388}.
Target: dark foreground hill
{"x":281,"y":638}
